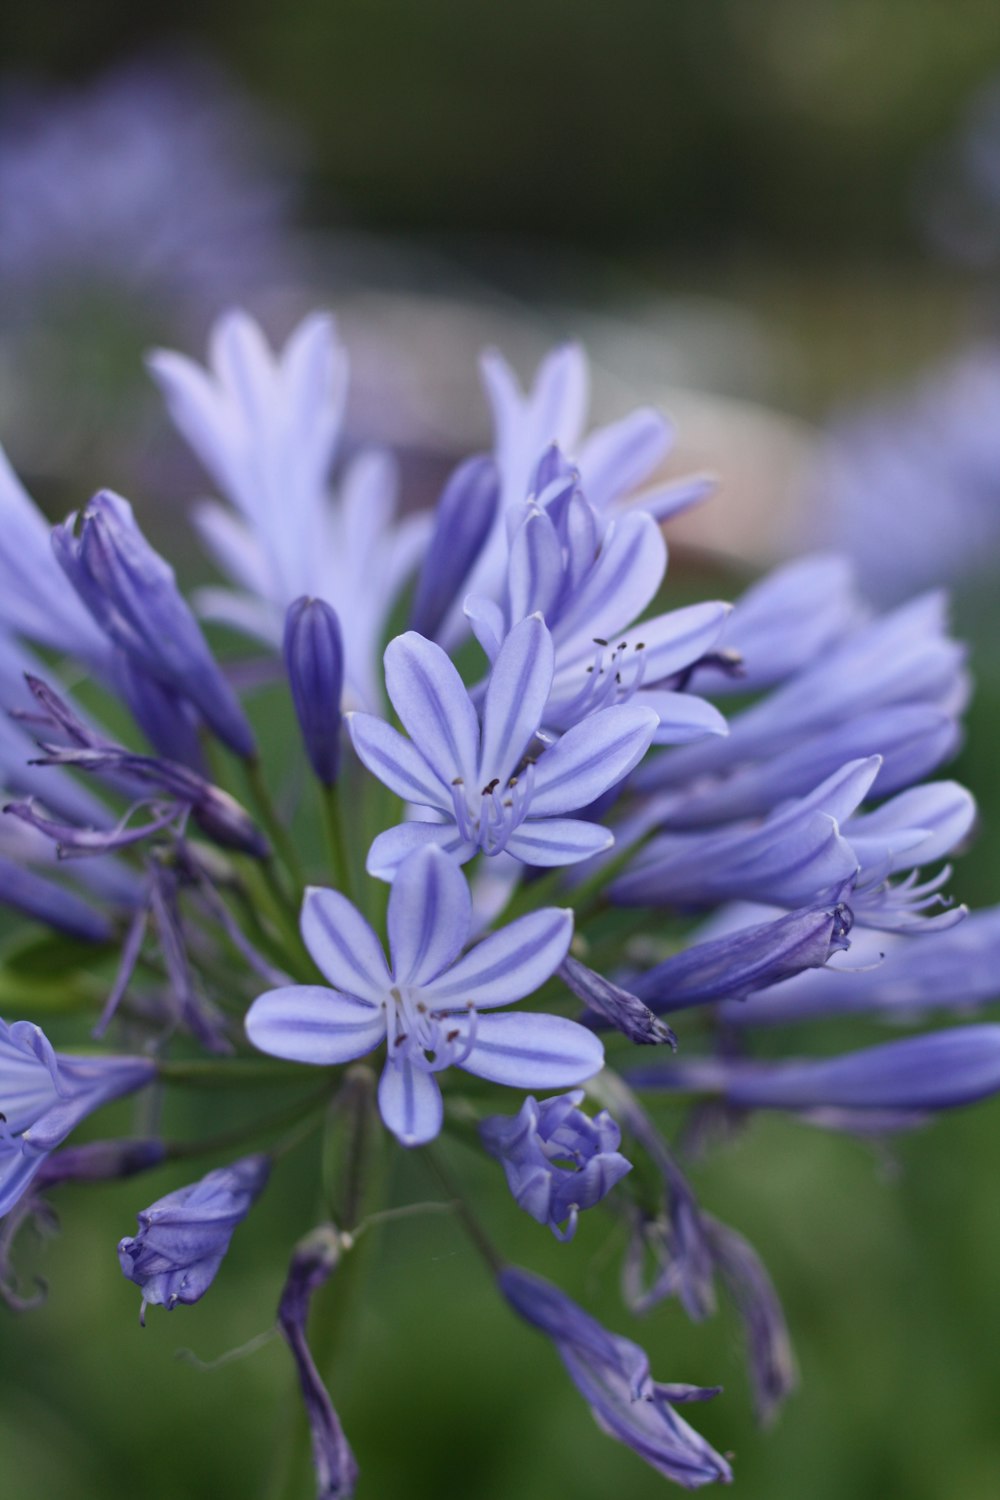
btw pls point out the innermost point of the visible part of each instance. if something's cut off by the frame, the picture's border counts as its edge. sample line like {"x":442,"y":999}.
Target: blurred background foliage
{"x":549,"y":159}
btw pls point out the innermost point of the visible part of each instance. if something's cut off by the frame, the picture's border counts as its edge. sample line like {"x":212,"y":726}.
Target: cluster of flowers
{"x":560,"y":810}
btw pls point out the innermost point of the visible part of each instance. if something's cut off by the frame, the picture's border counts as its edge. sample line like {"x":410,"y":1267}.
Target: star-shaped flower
{"x":426,"y":1003}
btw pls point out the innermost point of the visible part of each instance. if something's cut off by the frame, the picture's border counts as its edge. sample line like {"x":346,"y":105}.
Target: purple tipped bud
{"x":314,"y":661}
{"x":183,"y":1238}
{"x":132,"y":594}
{"x":619,"y":1008}
{"x":732,"y":967}
{"x":462,"y":522}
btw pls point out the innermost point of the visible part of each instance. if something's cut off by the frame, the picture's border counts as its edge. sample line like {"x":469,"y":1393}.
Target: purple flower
{"x":45,"y":1094}
{"x":157,"y":177}
{"x":427,"y":1005}
{"x":132,"y":594}
{"x":773,"y":1373}
{"x":480,"y":778}
{"x":590,"y":580}
{"x":313,"y":1263}
{"x":809,"y":847}
{"x":314,"y":662}
{"x":183,"y":1238}
{"x":267,"y":426}
{"x":557,"y":1160}
{"x":612,"y":1375}
{"x":890,"y":974}
{"x":940,"y":1070}
{"x":893,"y":687}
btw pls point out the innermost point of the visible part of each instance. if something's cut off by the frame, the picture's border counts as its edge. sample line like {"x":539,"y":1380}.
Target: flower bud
{"x":314,"y":661}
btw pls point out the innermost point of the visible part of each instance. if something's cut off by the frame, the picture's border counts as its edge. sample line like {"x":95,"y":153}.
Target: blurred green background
{"x":590,"y":155}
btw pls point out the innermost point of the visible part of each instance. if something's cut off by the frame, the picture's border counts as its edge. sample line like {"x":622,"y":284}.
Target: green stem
{"x":333,"y":823}
{"x":236,"y":1072}
{"x":183,"y":1150}
{"x":273,"y":826}
{"x":477,"y":1234}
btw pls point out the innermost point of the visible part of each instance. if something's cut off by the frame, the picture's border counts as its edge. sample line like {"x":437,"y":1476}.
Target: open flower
{"x":426,"y":1004}
{"x":480,"y":779}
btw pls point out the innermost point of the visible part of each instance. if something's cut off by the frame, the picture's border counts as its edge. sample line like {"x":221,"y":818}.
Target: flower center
{"x":429,"y":1039}
{"x":489,"y":819}
{"x":614,"y":676}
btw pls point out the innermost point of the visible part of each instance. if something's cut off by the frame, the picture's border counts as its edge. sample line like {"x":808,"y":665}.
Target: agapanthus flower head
{"x":183,"y":1238}
{"x":557,"y":1160}
{"x":612,"y":1375}
{"x":477,"y":772}
{"x":427,"y":1004}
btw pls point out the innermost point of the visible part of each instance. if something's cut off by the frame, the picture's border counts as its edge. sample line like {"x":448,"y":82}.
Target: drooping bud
{"x":313,"y":1262}
{"x":314,"y":661}
{"x":183,"y":1238}
{"x":612,"y":1375}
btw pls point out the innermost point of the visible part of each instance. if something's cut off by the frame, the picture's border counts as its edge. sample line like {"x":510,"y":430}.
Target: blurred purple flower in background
{"x":908,"y":484}
{"x":156,"y":178}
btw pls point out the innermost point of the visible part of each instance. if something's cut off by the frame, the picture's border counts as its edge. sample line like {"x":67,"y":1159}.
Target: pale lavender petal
{"x":591,"y":757}
{"x":430,"y":913}
{"x":558,"y":841}
{"x":310,"y":1024}
{"x":390,"y":848}
{"x":509,"y":964}
{"x":515,"y":697}
{"x":488,"y":624}
{"x":682,"y":716}
{"x":433,"y":706}
{"x":396,"y":761}
{"x":534,"y":567}
{"x":621,"y":583}
{"x":616,"y":459}
{"x":674,"y":640}
{"x":409,"y":1102}
{"x":532,"y":1051}
{"x":343,"y":944}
